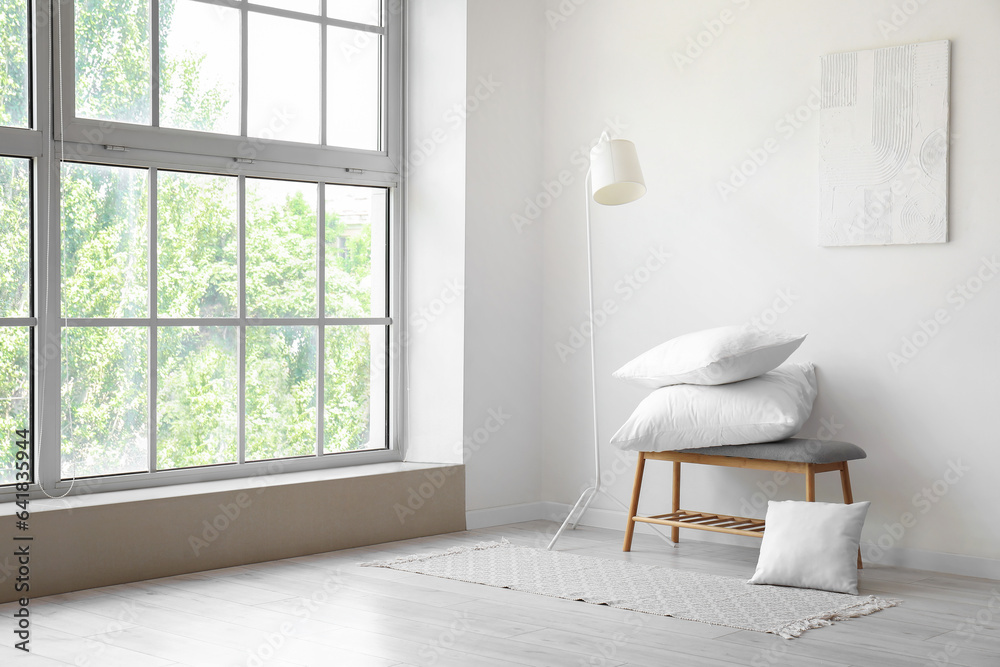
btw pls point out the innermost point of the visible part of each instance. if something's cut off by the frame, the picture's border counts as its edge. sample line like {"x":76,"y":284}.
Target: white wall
{"x":503,"y":346}
{"x":732,"y":259}
{"x":476,"y":110}
{"x":434,"y":171}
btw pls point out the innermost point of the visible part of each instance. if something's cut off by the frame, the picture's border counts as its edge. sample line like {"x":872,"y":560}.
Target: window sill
{"x":253,"y":483}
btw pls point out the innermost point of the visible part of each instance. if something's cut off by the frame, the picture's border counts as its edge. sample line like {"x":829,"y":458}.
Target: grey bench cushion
{"x":802,"y":450}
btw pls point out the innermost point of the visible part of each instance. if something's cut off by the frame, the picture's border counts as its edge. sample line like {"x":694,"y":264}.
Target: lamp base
{"x":583,"y":503}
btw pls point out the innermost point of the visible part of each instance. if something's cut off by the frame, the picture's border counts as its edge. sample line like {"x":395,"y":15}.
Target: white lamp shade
{"x":615,"y":172}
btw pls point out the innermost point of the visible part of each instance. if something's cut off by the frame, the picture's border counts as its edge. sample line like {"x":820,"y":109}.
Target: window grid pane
{"x":355,"y":251}
{"x":15,"y":393}
{"x":284,"y":82}
{"x":280,"y":392}
{"x":113,"y":60}
{"x":354,"y":389}
{"x":197,"y":419}
{"x":15,"y":237}
{"x":368,"y":12}
{"x":197,"y":267}
{"x":281,"y":244}
{"x":104,"y":402}
{"x":354,"y":86}
{"x":199,"y":66}
{"x":196,"y":411}
{"x":104,"y":231}
{"x":14,"y":72}
{"x":15,"y":302}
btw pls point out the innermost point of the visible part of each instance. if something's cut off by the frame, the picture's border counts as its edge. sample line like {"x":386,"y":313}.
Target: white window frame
{"x":31,"y":143}
{"x":382,"y":166}
{"x":181,"y":150}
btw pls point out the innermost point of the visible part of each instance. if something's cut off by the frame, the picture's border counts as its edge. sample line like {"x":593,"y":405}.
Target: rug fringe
{"x":869,"y":605}
{"x":448,"y":552}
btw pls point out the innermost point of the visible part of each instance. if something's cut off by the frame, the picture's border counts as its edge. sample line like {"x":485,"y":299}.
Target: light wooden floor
{"x":324,"y":610}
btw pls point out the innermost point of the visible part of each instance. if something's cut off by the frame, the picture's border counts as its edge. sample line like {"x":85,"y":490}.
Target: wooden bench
{"x":794,"y":455}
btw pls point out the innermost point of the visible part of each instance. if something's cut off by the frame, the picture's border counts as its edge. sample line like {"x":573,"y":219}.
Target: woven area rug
{"x":726,"y":601}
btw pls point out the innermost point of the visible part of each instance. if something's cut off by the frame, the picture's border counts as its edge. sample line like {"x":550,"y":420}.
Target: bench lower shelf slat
{"x":719,"y":523}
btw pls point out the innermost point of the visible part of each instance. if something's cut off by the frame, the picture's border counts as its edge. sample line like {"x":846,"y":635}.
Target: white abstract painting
{"x":884,"y":146}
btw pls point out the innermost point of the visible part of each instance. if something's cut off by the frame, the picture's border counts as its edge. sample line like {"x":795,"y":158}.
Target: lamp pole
{"x":620,"y":182}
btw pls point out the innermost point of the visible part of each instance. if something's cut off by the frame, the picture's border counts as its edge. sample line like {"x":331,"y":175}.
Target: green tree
{"x":105,"y":274}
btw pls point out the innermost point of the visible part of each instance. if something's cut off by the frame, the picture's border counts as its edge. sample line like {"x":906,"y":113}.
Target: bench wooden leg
{"x":633,"y":508}
{"x":675,"y":501}
{"x":845,"y":484}
{"x":811,"y":484}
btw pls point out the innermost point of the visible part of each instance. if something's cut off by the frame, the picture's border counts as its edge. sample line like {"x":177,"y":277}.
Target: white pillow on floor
{"x":811,"y":545}
{"x":771,"y":407}
{"x":711,"y":357}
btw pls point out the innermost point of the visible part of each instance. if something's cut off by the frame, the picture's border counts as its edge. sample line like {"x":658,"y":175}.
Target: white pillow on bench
{"x":712,"y":356}
{"x":771,"y":407}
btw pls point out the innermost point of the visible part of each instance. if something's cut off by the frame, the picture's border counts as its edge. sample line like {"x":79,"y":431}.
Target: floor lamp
{"x":614,"y":178}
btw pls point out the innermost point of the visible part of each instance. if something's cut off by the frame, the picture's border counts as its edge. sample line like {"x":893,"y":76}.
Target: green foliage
{"x":104,"y":409}
{"x":185,"y":100}
{"x":196,"y":409}
{"x":14,"y":66}
{"x":347,"y":385}
{"x":15,"y":227}
{"x":13,"y":395}
{"x":106,"y":231}
{"x":281,"y":392}
{"x":281,"y":250}
{"x":104,"y":227}
{"x":14,"y":231}
{"x":104,"y":400}
{"x":197,"y":273}
{"x":112,"y":60}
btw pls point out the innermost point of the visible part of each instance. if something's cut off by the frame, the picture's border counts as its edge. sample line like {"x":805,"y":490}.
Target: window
{"x":14,"y":71}
{"x":15,"y":310}
{"x":16,"y":200}
{"x":283,"y":71}
{"x":216,"y":251}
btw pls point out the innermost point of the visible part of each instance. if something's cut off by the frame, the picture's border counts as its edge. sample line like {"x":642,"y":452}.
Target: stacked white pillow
{"x":724,"y":386}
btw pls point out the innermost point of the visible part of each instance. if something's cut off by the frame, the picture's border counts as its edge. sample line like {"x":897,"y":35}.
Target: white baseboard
{"x":499,"y":516}
{"x":918,"y":559}
{"x":935,"y":561}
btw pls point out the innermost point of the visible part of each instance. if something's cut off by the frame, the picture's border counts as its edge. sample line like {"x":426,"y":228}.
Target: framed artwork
{"x":883,"y":148}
